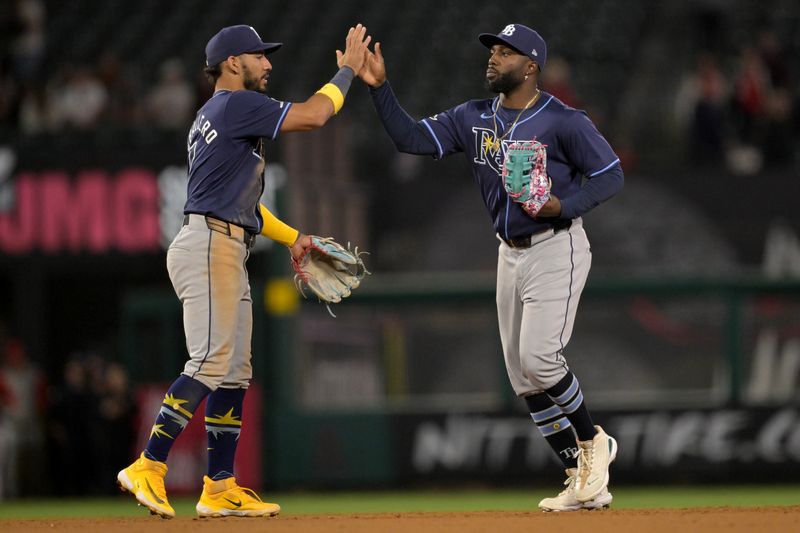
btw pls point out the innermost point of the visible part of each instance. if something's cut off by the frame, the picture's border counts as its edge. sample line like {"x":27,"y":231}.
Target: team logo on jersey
{"x":488,"y":151}
{"x":508,"y":30}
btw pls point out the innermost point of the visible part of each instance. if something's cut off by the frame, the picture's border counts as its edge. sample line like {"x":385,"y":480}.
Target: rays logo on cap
{"x":254,"y":31}
{"x":508,"y":30}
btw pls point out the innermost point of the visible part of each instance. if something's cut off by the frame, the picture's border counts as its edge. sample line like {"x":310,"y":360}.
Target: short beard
{"x":504,"y":83}
{"x":252,"y":83}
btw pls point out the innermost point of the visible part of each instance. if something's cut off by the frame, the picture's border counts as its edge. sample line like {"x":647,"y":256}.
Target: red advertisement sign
{"x":94,"y":212}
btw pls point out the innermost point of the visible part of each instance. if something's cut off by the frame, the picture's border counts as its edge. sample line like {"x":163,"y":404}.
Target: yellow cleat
{"x":145,"y":480}
{"x":226,"y":498}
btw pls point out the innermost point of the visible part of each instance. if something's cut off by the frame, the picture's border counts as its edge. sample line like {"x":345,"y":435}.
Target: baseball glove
{"x":525,"y":175}
{"x":329,"y":270}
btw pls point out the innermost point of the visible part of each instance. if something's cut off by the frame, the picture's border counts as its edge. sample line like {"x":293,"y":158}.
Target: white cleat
{"x":566,"y":500}
{"x":594,"y":458}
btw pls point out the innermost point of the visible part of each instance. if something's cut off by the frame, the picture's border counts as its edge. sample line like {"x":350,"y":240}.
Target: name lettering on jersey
{"x":201,"y":129}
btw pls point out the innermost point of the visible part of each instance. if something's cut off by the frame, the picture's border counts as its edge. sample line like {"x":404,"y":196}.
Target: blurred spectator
{"x":751,"y":91}
{"x":8,"y":445}
{"x":779,"y":135}
{"x":116,"y":424}
{"x":123,"y":107}
{"x":700,"y":106}
{"x":80,"y":101}
{"x":33,"y":116}
{"x":8,"y":100}
{"x":93,"y":415}
{"x":557,"y":80}
{"x":27,"y":48}
{"x":773,"y":56}
{"x":26,"y":389}
{"x":70,"y":429}
{"x":171,"y":102}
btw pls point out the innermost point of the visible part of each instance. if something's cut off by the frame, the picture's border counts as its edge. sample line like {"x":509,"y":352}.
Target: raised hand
{"x":356,"y":48}
{"x":373,"y":73}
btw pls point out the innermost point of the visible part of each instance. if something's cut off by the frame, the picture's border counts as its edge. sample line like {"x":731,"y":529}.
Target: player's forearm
{"x":408,"y":135}
{"x":276,"y":229}
{"x":322,"y":105}
{"x":594,"y":192}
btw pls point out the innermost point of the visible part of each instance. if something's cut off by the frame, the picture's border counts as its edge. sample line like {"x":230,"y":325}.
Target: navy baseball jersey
{"x":575,"y":149}
{"x":226,"y":156}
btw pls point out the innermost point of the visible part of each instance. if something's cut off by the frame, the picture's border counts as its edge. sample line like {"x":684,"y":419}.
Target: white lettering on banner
{"x":775,"y":370}
{"x":657,"y":440}
{"x":781,"y":252}
{"x":779,"y":441}
{"x":663,"y":440}
{"x":470,"y":443}
{"x":719,"y":437}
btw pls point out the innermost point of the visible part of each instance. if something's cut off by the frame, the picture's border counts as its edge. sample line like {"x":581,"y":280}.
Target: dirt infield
{"x":705,"y":520}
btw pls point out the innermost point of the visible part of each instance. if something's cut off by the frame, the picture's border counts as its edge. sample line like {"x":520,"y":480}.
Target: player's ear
{"x":233,"y":64}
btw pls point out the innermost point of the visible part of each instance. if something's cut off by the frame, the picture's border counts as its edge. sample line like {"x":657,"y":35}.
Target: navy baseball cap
{"x":522,"y":39}
{"x":236,"y":40}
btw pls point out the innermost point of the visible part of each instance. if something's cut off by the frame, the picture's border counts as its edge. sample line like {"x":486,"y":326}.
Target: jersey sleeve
{"x":443,"y":130}
{"x":592,"y":156}
{"x":585,"y":147}
{"x":252,"y":114}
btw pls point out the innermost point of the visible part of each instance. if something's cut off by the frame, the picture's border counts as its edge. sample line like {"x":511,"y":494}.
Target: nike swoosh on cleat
{"x":152,"y":492}
{"x":235,"y":504}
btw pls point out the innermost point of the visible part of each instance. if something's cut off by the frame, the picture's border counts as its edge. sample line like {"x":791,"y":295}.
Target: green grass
{"x":296,"y":503}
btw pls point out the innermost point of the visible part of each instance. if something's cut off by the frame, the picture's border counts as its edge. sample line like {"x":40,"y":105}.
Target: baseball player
{"x":543,"y":257}
{"x":206,"y":260}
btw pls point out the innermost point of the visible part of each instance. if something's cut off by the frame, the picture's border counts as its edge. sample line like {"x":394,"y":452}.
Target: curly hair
{"x":213,"y":72}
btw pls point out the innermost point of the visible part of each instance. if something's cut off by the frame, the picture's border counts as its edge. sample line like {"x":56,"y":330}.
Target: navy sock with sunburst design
{"x":176,"y":411}
{"x":223,"y":427}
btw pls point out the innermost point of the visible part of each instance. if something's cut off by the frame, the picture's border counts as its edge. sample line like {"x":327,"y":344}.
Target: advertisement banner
{"x":668,"y":446}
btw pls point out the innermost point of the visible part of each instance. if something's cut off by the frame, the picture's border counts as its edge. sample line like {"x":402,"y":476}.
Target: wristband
{"x":332,"y":91}
{"x":337,"y":88}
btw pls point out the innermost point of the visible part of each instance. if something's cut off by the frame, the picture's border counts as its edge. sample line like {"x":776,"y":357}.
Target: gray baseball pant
{"x":538,"y":289}
{"x":207,"y":269}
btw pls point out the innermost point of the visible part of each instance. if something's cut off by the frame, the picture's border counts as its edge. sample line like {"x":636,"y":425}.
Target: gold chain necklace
{"x":494,"y":144}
